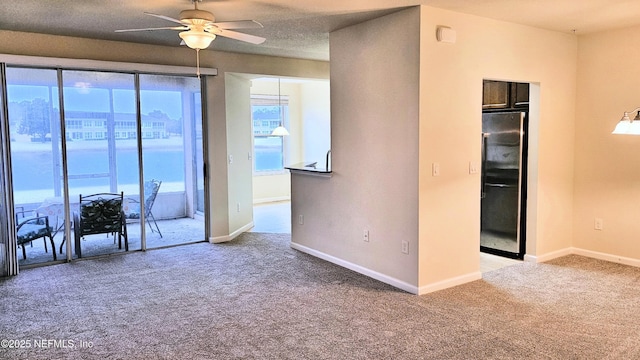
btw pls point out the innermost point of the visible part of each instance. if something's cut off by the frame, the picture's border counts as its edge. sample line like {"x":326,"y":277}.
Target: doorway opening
{"x":505,"y":123}
{"x":302,"y":106}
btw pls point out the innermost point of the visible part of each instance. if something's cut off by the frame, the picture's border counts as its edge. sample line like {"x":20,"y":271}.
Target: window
{"x":74,"y":124}
{"x":269,"y":151}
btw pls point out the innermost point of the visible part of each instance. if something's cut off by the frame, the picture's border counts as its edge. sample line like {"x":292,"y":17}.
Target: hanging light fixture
{"x":280,"y":130}
{"x":196,"y":38}
{"x":626,"y":126}
{"x":198,"y":28}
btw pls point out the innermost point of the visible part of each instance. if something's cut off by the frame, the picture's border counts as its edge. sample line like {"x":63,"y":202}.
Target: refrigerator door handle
{"x":483,"y":167}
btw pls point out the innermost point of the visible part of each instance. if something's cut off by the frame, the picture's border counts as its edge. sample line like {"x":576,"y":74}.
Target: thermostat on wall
{"x":446,"y":34}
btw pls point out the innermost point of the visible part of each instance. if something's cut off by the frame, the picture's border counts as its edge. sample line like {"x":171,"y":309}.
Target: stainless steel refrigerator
{"x":503,"y":192}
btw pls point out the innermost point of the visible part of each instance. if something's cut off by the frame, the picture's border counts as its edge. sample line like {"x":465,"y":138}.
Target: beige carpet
{"x":256,"y":298}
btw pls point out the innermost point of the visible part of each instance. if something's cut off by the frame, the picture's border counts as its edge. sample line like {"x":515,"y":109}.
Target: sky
{"x":97,"y":100}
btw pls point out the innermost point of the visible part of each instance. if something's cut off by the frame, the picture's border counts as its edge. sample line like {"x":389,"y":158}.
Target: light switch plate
{"x":435,"y":169}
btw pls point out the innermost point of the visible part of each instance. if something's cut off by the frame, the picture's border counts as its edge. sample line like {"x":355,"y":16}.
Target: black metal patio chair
{"x":30,"y":228}
{"x":151,"y":188}
{"x":100,"y":214}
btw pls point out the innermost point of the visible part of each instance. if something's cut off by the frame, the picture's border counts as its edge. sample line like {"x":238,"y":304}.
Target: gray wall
{"x":374,"y":140}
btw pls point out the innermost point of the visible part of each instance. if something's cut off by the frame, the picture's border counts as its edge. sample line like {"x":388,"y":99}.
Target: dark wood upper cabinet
{"x":495,"y":95}
{"x":519,"y":94}
{"x":504,"y":95}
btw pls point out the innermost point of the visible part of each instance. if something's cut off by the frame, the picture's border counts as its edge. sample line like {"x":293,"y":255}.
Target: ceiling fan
{"x":198,"y":28}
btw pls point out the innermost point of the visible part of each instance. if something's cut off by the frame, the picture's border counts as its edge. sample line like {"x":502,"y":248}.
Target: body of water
{"x":35,"y":170}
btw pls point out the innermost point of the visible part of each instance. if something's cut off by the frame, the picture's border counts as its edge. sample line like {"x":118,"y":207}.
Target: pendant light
{"x":626,"y":126}
{"x":280,"y":130}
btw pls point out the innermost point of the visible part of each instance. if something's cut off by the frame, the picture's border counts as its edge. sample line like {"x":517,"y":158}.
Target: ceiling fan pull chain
{"x":198,"y":63}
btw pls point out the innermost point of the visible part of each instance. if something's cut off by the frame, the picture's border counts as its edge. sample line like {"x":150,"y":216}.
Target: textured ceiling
{"x":294,"y":28}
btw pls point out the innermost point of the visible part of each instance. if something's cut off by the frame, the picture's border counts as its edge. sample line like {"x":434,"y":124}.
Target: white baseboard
{"x":459,"y":280}
{"x":444,"y":284}
{"x":548,"y":256}
{"x":357,"y":268}
{"x":607,"y":257}
{"x":582,"y":252}
{"x":233,"y":235}
{"x":271,"y":199}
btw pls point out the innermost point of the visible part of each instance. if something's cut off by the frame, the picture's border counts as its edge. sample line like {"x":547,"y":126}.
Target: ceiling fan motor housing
{"x":189,"y":16}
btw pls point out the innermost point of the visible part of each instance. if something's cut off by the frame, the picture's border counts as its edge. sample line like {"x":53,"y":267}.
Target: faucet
{"x":326,"y":164}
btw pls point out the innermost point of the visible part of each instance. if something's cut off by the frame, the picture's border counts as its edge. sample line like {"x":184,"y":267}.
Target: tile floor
{"x":272,"y":217}
{"x":499,"y":241}
{"x":276,"y":218}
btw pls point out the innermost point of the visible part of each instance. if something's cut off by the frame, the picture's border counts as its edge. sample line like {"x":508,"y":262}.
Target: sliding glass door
{"x":171,"y":152}
{"x":36,"y":160}
{"x":138,"y":135}
{"x":101,"y":148}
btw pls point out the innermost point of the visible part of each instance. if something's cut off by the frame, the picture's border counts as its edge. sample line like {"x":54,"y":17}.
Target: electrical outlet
{"x":473,"y":167}
{"x":238,"y":207}
{"x":366,"y":236}
{"x":230,"y":159}
{"x":301,"y":219}
{"x":405,"y":247}
{"x":598,"y":224}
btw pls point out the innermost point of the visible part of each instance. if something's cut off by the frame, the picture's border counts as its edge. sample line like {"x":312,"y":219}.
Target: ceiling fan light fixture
{"x":197,"y":39}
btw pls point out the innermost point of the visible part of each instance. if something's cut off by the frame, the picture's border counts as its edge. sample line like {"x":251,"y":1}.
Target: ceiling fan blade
{"x":158,"y":28}
{"x":241,"y":24}
{"x":240,"y":36}
{"x":165,"y":17}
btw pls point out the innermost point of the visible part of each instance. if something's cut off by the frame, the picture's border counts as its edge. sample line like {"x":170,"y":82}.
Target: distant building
{"x":81,"y":125}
